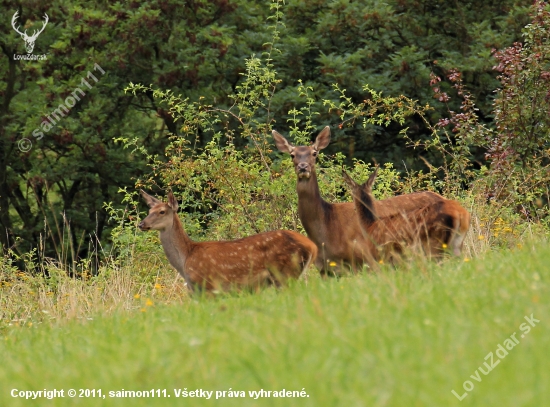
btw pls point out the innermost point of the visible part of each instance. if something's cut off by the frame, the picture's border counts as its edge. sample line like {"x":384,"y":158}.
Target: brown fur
{"x":335,"y":228}
{"x":269,"y":257}
{"x":432,"y":227}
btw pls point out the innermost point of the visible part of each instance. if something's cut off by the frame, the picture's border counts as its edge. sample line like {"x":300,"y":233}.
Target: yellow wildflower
{"x":136,"y":296}
{"x":148,"y":303}
{"x":332,"y":264}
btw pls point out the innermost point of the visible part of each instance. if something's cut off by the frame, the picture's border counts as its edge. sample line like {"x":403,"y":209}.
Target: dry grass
{"x":27,"y":299}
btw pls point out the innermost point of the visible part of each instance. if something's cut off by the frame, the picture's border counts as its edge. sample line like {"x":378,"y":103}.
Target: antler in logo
{"x":29,"y":41}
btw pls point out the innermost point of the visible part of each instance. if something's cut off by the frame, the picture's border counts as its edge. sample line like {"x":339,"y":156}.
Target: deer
{"x":433,"y":227}
{"x":268,"y":258}
{"x":334,"y":227}
{"x":29,"y":41}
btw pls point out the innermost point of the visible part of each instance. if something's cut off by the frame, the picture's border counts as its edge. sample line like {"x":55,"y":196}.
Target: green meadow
{"x":405,"y":337}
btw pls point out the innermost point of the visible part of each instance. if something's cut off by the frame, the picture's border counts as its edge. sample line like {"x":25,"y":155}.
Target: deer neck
{"x":311,"y":207}
{"x":177,"y":245}
{"x":364,"y":205}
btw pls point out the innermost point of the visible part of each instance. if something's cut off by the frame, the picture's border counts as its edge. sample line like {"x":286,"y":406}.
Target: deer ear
{"x":149,"y":200}
{"x":347,"y":179}
{"x":370,"y":181}
{"x":282,"y":143}
{"x":172,"y":202}
{"x":323,"y":139}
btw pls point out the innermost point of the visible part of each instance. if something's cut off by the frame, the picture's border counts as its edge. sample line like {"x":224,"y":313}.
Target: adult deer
{"x":335,"y":228}
{"x":269,"y":257}
{"x":29,"y":41}
{"x":433,"y":228}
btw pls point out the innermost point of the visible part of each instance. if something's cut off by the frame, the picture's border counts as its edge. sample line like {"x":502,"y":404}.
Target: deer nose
{"x":303,"y":167}
{"x":142,"y":225}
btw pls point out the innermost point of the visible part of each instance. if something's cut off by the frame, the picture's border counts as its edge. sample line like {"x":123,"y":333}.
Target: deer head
{"x":362,"y":195}
{"x":161,"y":215}
{"x":303,"y":157}
{"x":29,"y":41}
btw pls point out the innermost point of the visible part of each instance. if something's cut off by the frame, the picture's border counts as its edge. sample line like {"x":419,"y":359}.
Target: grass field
{"x":389,"y":339}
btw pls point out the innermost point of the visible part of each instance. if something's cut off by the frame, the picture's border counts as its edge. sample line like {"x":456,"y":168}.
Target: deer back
{"x":435,"y":224}
{"x":269,"y":257}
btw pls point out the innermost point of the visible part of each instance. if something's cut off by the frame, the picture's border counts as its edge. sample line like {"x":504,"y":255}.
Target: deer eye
{"x":292,"y":155}
{"x":315,"y":154}
{"x":162,"y":212}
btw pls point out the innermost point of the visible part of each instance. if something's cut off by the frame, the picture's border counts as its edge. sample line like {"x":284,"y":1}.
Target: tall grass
{"x":50,"y":291}
{"x":394,"y":338}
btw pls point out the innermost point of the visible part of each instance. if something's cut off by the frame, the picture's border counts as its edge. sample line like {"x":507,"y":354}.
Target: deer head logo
{"x":29,"y":40}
